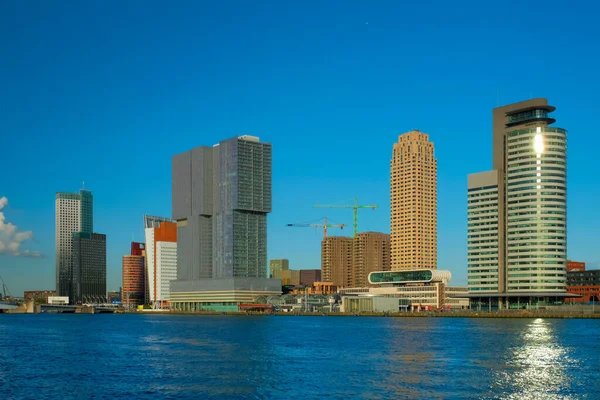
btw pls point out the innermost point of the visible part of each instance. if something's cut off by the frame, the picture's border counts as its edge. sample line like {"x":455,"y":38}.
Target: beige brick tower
{"x":413,"y":203}
{"x":336,"y":260}
{"x":371,"y":252}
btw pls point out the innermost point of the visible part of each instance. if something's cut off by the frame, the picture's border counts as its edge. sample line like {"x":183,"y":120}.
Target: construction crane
{"x":354,"y":206}
{"x":324,"y":225}
{"x":4,"y":289}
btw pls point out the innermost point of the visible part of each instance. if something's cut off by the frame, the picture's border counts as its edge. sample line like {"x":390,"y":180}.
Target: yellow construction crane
{"x":354,"y":206}
{"x":324,"y":225}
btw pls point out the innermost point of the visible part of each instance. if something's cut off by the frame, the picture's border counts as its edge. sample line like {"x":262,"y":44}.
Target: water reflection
{"x":536,"y":368}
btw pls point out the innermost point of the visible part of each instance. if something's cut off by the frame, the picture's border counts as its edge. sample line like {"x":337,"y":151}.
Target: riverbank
{"x":451,"y":314}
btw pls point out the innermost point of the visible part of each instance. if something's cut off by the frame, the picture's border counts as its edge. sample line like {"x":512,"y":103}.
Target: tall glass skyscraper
{"x":517,"y":229}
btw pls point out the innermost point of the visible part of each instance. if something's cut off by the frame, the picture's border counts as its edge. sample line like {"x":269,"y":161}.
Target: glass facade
{"x":536,"y":209}
{"x":401,"y":276}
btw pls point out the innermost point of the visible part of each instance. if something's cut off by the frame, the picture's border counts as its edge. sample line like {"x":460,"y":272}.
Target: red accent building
{"x":575,"y":266}
{"x":137,"y":249}
{"x":134,"y":278}
{"x":585,"y":283}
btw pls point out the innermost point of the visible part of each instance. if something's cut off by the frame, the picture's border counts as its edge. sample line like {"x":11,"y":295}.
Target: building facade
{"x":133,"y":290}
{"x":89,"y":268}
{"x":421,"y":290}
{"x":584,"y":283}
{"x":413,"y":203}
{"x":575,"y":266}
{"x":336,"y":260}
{"x":73,"y":213}
{"x":277,"y":266}
{"x":39,"y":296}
{"x":309,"y":276}
{"x":290,"y":277}
{"x":485,"y":194}
{"x":161,"y":262}
{"x":371,"y":252}
{"x":221,"y":199}
{"x":517,"y":211}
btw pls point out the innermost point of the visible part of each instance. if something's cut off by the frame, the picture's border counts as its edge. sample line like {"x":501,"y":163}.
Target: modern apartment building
{"x":517,"y":237}
{"x":413,"y":203}
{"x":277,"y":266}
{"x":89,"y":268}
{"x":221,"y":198}
{"x":336,"y":260}
{"x":371,"y":252}
{"x":161,"y":264}
{"x":134,"y":276}
{"x":74,"y":213}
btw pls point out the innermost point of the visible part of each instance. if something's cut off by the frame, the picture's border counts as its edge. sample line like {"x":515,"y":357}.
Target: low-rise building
{"x":423,"y":289}
{"x":584,"y":283}
{"x":39,"y":296}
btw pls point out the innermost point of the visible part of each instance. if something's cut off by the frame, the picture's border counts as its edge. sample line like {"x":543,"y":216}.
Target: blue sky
{"x":107,"y":92}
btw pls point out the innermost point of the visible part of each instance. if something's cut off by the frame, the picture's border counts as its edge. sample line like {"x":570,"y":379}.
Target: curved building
{"x":517,"y":229}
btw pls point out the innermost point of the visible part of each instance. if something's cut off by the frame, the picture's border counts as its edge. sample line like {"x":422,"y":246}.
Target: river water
{"x":227,"y":357}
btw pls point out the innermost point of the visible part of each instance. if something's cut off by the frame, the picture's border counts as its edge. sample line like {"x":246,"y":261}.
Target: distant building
{"x":371,"y":252}
{"x":584,"y":283}
{"x":39,"y":296}
{"x":413,"y":198}
{"x":277,"y":266}
{"x":574,"y":266}
{"x":161,"y":254}
{"x":134,"y":276}
{"x":89,"y":268}
{"x":336,"y":260}
{"x":309,"y":276}
{"x":74,"y":213}
{"x":114,"y":297}
{"x":221,"y":199}
{"x":290,"y":277}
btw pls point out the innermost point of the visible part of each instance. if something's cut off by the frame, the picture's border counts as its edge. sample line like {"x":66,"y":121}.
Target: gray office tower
{"x":221,"y":198}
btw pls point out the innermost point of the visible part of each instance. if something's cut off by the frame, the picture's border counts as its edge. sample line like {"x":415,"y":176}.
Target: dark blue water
{"x":226,"y":357}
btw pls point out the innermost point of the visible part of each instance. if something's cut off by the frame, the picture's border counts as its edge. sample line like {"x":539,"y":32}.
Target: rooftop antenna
{"x":83,"y":185}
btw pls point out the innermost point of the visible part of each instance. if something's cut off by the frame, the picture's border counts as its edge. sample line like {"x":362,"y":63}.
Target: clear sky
{"x":107,"y":91}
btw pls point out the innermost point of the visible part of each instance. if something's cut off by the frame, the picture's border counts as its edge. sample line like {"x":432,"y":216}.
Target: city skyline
{"x":331,"y":141}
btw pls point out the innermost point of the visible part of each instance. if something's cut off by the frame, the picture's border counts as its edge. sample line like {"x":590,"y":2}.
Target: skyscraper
{"x":74,"y":213}
{"x":517,"y":239}
{"x":221,"y":198}
{"x":89,"y":268}
{"x":413,"y":203}
{"x":371,"y":252}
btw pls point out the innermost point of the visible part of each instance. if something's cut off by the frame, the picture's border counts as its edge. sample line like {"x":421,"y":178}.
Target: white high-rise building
{"x":74,"y":213}
{"x":161,"y":259}
{"x":517,"y":230}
